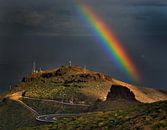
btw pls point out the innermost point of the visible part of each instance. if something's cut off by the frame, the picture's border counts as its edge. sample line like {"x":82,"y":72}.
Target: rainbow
{"x":109,"y":42}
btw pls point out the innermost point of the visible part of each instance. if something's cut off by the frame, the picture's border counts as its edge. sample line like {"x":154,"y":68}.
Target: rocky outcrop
{"x":118,"y":91}
{"x":68,"y":74}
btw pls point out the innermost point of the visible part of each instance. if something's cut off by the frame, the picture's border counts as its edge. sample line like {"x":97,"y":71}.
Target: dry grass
{"x":145,"y":95}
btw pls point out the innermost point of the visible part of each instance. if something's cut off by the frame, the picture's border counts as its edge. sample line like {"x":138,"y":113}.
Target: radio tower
{"x":34,"y":67}
{"x":85,"y":69}
{"x":70,"y":62}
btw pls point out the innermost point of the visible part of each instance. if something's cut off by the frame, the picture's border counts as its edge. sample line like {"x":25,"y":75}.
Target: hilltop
{"x":74,"y":82}
{"x":106,"y":102}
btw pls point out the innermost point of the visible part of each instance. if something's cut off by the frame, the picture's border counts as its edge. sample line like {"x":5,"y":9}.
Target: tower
{"x":40,"y":70}
{"x":34,"y":67}
{"x":70,"y":63}
{"x":10,"y":87}
{"x":85,"y":69}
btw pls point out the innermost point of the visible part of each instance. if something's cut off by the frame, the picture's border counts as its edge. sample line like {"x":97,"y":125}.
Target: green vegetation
{"x":160,"y":125}
{"x":88,"y":91}
{"x":13,"y":115}
{"x":66,"y":84}
{"x":73,"y":84}
{"x":142,"y":116}
{"x":50,"y":107}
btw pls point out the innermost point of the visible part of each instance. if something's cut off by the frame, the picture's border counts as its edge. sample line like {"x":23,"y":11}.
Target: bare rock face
{"x":118,"y":91}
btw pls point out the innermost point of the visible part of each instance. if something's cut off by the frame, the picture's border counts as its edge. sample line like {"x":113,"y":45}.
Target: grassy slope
{"x":88,"y":91}
{"x":71,"y":82}
{"x":74,"y":84}
{"x":13,"y":115}
{"x":144,"y":94}
{"x":44,"y":107}
{"x":143,"y":116}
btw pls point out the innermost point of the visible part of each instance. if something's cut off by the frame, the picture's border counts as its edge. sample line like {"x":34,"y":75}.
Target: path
{"x":55,"y":101}
{"x":50,"y":118}
{"x":16,"y":97}
{"x":45,"y":118}
{"x":28,"y":107}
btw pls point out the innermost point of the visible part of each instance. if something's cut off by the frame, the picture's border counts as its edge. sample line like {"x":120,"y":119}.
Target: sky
{"x":52,"y":32}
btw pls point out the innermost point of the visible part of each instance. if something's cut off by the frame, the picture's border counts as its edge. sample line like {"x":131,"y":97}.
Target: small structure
{"x":84,"y":69}
{"x":34,"y":70}
{"x":34,"y":67}
{"x":70,"y":63}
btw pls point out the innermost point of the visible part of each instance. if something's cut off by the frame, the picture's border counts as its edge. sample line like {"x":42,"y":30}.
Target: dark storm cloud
{"x":59,"y":17}
{"x":40,"y":17}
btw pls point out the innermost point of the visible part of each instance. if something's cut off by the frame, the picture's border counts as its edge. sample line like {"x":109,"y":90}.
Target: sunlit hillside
{"x":71,"y":97}
{"x":79,"y":84}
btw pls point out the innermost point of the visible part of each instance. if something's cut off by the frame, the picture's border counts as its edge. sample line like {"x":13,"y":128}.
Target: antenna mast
{"x":34,"y":67}
{"x":70,"y":63}
{"x":84,"y":68}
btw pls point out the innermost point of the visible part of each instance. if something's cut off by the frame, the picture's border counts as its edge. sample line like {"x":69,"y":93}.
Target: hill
{"x":93,"y":98}
{"x":137,"y":117}
{"x":80,"y":85}
{"x":13,"y":115}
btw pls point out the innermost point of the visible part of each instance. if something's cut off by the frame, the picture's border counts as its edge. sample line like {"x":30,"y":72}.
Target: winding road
{"x":49,"y":118}
{"x":28,"y":107}
{"x":53,"y":117}
{"x":55,"y":101}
